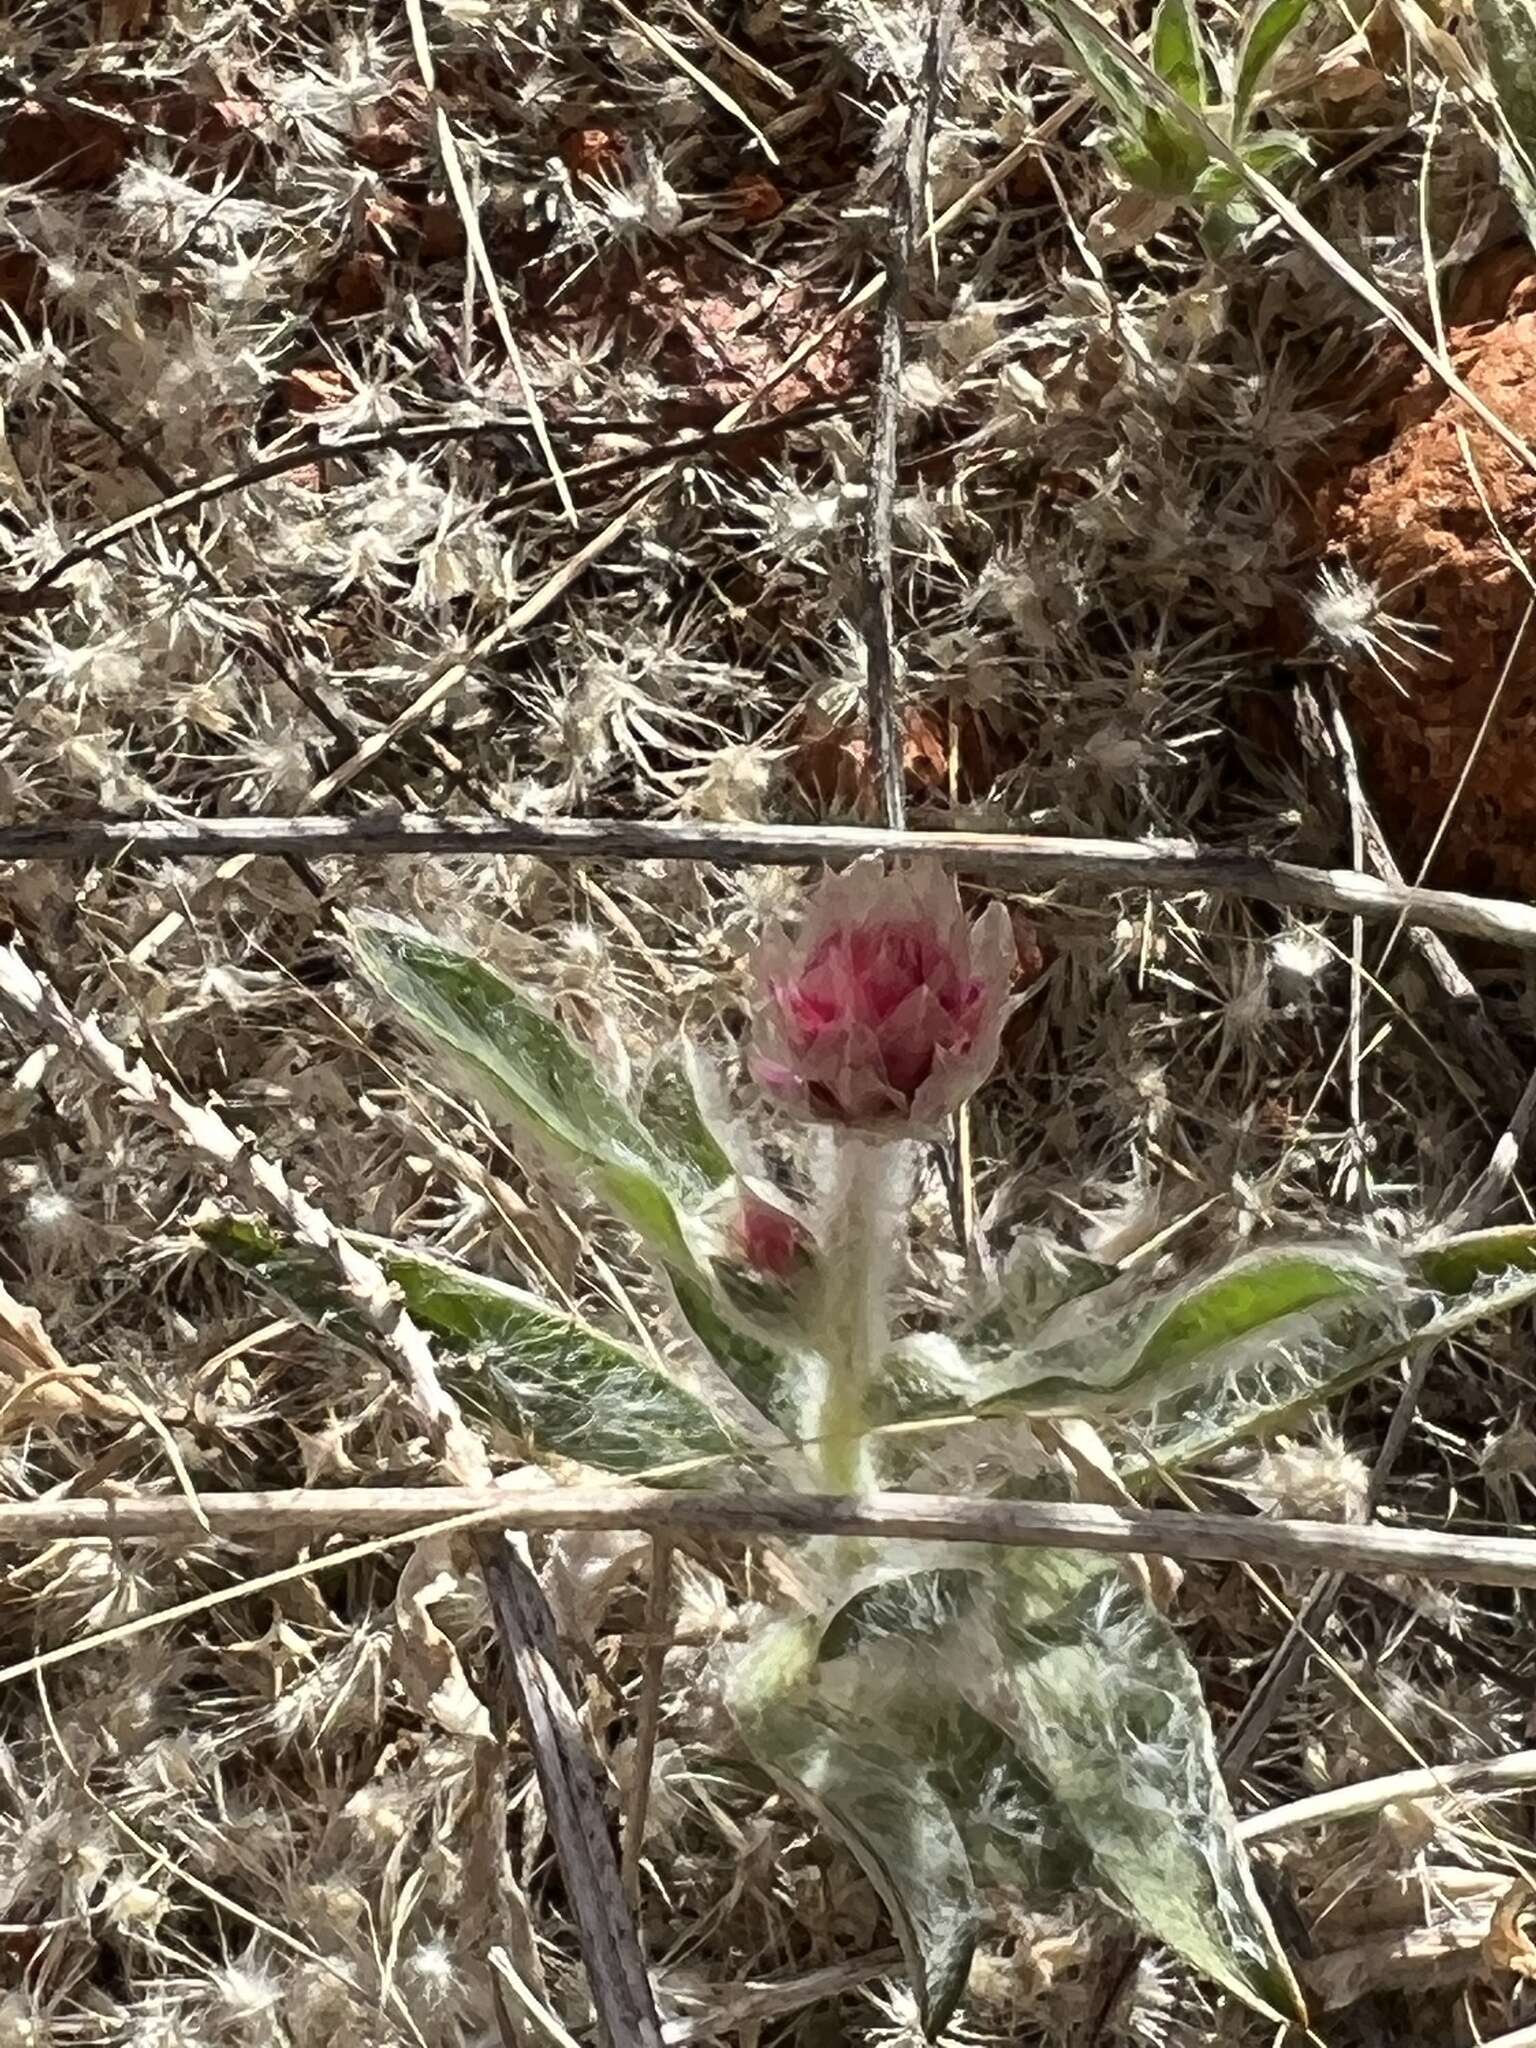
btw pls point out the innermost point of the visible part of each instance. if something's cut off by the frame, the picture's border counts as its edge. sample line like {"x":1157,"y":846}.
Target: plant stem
{"x":862,"y":1237}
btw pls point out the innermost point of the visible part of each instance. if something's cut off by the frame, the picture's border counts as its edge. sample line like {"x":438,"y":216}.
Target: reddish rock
{"x":1410,"y":523}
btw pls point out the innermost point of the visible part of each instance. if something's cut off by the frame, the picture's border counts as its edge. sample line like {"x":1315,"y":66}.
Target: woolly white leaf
{"x":559,"y":1385}
{"x":858,"y":1752}
{"x":1095,"y":1692}
{"x":526,"y":1068}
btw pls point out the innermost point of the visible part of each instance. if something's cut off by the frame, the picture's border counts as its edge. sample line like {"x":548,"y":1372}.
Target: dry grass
{"x":283,"y":1820}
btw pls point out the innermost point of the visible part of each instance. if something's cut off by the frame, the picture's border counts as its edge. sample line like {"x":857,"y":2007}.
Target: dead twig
{"x":1493,"y":1063}
{"x":573,"y":1799}
{"x":1023,"y":861}
{"x":310,"y":1514}
{"x":404,"y":437}
{"x":1484,"y":1779}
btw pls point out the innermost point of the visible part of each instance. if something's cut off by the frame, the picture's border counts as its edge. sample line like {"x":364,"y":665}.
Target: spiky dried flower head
{"x":885,"y":1010}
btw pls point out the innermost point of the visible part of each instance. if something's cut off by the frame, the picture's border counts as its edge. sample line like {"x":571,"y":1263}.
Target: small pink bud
{"x":765,"y":1256}
{"x":770,"y":1240}
{"x":885,"y":1011}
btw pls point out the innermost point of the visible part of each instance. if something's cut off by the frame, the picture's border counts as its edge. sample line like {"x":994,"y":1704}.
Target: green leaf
{"x":675,"y":1120}
{"x":1176,"y":54}
{"x":1163,"y":158}
{"x":523,"y":1066}
{"x":1508,"y":31}
{"x":767,"y":1376}
{"x":914,"y":1605}
{"x":1095,"y":1693}
{"x":1274,"y":157}
{"x":1118,"y":1351}
{"x":907,"y":1625}
{"x":1269,"y":28}
{"x":1253,"y":1293}
{"x":855,"y":1745}
{"x":561,"y":1386}
{"x":1486,"y":1274}
{"x":1458,"y":1264}
{"x":1096,"y":60}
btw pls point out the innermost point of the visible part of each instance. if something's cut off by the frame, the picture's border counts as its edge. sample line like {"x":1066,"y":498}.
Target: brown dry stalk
{"x":180,"y":502}
{"x":1022,"y":860}
{"x":309,"y":1514}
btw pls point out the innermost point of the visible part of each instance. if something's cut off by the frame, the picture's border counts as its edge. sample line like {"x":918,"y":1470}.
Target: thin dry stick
{"x":456,"y":668}
{"x":879,"y":621}
{"x":310,"y":1514}
{"x":533,"y":2009}
{"x":450,"y":672}
{"x":293,"y":454}
{"x":1021,"y":860}
{"x":738,"y":2007}
{"x":312,"y":446}
{"x":753,"y":66}
{"x":1469,"y":1210}
{"x":1487,"y":1778}
{"x":567,"y":1774}
{"x":663,"y":44}
{"x":658,"y":1609}
{"x":1493,"y":1061}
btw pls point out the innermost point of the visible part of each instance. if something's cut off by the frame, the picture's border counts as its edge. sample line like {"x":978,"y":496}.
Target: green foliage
{"x":1123,"y":1347}
{"x":952,"y":1716}
{"x":1094,"y":1690}
{"x":523,"y":1067}
{"x":866,"y":1761}
{"x":1442,"y":1290}
{"x":657,"y":1171}
{"x":1054,"y":1713}
{"x":1149,"y":144}
{"x":1458,"y":1264}
{"x":674,"y":1119}
{"x":765,"y":1374}
{"x":560,"y":1386}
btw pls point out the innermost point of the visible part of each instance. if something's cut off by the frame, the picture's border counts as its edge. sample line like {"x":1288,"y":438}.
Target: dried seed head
{"x":885,"y":1011}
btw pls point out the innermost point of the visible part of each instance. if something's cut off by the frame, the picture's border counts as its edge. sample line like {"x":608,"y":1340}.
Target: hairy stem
{"x":863,"y":1234}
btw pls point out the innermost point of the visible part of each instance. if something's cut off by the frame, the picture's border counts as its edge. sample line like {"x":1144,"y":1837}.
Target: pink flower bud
{"x":884,"y":1012}
{"x":764,"y":1257}
{"x":770,"y":1240}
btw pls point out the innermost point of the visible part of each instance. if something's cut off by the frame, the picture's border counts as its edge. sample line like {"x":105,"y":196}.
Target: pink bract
{"x":884,"y":1012}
